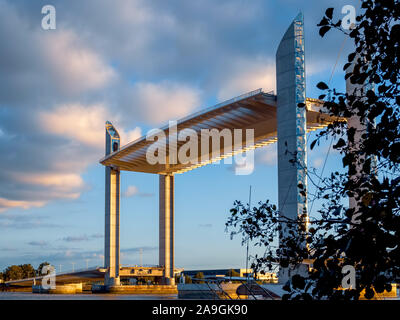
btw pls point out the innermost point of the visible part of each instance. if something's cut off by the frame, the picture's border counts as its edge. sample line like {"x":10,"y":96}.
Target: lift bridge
{"x":272,"y":118}
{"x":275,"y":118}
{"x":92,"y":275}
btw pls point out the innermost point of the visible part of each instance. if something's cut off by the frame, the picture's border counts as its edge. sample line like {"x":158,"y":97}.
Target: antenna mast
{"x":248,"y":239}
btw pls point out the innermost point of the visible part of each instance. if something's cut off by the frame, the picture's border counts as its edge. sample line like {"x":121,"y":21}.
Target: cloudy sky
{"x":137,"y":64}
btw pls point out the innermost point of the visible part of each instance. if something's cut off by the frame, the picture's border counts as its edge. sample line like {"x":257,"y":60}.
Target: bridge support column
{"x":166,"y":228}
{"x":361,"y":128}
{"x":291,"y":127}
{"x":354,"y":122}
{"x":112,"y":212}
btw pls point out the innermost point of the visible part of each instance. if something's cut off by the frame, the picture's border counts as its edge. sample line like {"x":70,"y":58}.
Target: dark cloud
{"x":38,"y":243}
{"x":205,"y":225}
{"x":8,"y":249}
{"x":137,"y":249}
{"x":25,"y":221}
{"x":83,"y":237}
{"x":97,"y":235}
{"x":76,"y":238}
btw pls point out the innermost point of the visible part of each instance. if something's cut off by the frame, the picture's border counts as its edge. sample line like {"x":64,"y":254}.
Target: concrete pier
{"x":70,"y":288}
{"x":360,"y":129}
{"x":136,"y":289}
{"x":112,"y":212}
{"x":166,"y":228}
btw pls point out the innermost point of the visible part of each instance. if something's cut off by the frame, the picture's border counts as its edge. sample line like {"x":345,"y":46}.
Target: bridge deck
{"x":254,"y":110}
{"x":94,"y":275}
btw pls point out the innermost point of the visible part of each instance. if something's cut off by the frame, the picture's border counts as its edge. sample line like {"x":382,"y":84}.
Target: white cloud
{"x":130,"y":191}
{"x":76,"y":68}
{"x":129,"y":136}
{"x":61,"y":185}
{"x":6,"y":204}
{"x":248,"y":75}
{"x":164,"y":101}
{"x":267,"y":155}
{"x":55,"y":170}
{"x":78,"y":122}
{"x":83,"y":124}
{"x":317,"y":163}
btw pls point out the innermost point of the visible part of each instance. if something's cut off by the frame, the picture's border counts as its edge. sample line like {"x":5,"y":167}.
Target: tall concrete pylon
{"x":112,"y":211}
{"x":166,"y":227}
{"x":291,"y":125}
{"x":354,"y":122}
{"x":361,"y":128}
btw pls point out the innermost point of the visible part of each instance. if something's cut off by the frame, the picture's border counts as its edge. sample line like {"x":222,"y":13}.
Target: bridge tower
{"x":291,"y":126}
{"x":112,"y":211}
{"x":361,"y":128}
{"x":166,"y":227}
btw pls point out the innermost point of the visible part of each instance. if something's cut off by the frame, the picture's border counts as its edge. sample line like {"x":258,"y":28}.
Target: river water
{"x":35,"y":296}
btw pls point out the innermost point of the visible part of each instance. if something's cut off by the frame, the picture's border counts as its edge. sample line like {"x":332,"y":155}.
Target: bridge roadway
{"x":93,"y":275}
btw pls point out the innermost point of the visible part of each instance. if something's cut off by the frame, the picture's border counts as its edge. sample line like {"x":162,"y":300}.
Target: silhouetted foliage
{"x":188,"y":279}
{"x":199,"y":275}
{"x":367,"y":235}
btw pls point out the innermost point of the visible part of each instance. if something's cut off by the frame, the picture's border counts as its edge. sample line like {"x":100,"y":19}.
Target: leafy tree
{"x":39,"y":269}
{"x":13,"y":273}
{"x":188,"y":279}
{"x":199,"y":275}
{"x":365,"y":236}
{"x":27,"y":271}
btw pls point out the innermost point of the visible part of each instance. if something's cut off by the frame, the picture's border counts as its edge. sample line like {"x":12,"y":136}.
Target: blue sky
{"x":138,"y":64}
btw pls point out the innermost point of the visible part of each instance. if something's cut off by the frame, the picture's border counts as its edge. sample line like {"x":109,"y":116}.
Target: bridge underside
{"x":255,"y":110}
